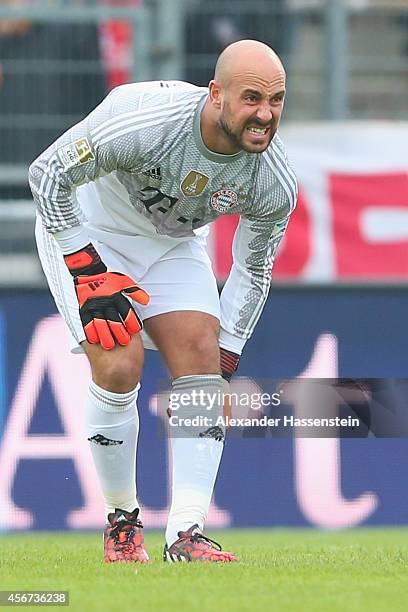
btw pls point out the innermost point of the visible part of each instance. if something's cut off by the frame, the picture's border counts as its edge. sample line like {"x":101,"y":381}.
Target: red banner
{"x":351,"y":222}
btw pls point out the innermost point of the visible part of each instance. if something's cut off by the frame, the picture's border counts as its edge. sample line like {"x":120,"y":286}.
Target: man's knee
{"x":119,"y":375}
{"x":118,"y":370}
{"x":202,"y":344}
{"x":201,"y":352}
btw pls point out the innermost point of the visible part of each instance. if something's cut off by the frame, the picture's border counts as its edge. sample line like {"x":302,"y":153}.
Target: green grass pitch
{"x":282,"y":570}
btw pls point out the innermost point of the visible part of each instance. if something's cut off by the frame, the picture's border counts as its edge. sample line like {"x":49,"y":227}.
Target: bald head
{"x":245,"y":99}
{"x":246,"y":56}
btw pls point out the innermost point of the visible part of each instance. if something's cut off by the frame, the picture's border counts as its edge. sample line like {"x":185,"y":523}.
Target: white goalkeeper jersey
{"x":142,"y":147}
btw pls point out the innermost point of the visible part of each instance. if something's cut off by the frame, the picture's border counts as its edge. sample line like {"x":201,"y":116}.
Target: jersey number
{"x":151,"y":196}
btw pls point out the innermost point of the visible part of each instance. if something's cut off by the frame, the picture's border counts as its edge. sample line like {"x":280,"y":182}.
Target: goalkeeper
{"x":124,"y":199}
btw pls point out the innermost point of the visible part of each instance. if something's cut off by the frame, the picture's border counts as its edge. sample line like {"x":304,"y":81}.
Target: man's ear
{"x":215,"y":94}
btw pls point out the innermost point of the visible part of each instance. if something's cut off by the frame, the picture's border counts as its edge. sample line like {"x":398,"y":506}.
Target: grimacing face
{"x":250,"y":114}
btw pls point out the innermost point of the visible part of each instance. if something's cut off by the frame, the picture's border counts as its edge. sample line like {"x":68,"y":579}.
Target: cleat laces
{"x":123,"y":533}
{"x":197,"y":538}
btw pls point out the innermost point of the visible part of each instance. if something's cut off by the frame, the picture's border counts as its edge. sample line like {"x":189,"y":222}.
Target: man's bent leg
{"x":113,"y":427}
{"x":188,"y":342}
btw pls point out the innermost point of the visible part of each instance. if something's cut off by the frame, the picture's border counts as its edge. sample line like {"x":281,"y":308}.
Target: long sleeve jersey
{"x":143,"y":145}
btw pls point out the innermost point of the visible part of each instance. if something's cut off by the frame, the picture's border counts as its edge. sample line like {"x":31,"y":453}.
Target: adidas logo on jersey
{"x":154,"y":173}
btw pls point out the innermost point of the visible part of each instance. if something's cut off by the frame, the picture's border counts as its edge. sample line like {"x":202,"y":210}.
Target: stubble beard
{"x":232,"y":138}
{"x":236,"y":141}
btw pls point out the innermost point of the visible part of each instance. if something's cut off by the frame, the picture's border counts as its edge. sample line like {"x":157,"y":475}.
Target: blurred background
{"x":339,"y":299}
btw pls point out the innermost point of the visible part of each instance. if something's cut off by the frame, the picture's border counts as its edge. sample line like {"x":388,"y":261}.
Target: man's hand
{"x":106,"y":314}
{"x":229,"y":363}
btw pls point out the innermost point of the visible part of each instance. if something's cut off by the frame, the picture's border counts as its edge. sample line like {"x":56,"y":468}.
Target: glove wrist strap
{"x":85,"y":262}
{"x":229,"y":363}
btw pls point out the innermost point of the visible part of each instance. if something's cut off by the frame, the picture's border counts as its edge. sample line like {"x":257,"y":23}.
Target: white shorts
{"x":177,"y":275}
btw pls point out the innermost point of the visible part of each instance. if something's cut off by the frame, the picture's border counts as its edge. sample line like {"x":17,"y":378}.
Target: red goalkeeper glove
{"x":106,"y":314}
{"x":229,"y":363}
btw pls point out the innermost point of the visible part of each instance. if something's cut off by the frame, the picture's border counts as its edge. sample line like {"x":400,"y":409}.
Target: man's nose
{"x":264,"y":113}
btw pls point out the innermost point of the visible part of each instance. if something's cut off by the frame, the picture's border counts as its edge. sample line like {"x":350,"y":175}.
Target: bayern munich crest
{"x":223,"y":199}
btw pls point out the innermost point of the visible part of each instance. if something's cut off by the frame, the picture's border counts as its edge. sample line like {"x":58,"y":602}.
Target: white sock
{"x":113,"y":427}
{"x":195,"y":467}
{"x":195,"y":464}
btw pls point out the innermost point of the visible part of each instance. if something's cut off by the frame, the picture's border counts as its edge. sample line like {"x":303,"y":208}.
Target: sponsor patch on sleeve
{"x":76,"y":153}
